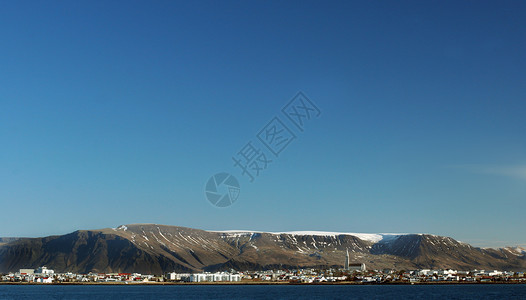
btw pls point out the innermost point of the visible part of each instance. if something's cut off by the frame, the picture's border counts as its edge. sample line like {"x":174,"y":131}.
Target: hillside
{"x":150,"y":248}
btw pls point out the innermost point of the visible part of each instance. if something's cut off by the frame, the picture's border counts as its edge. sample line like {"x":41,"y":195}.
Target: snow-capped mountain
{"x":152,"y":248}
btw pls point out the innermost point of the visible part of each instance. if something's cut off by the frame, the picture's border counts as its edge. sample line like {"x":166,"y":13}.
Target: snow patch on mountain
{"x":516,"y":250}
{"x":371,"y":237}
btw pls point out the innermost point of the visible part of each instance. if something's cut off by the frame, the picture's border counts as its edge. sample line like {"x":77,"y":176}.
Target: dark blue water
{"x":265,"y":292}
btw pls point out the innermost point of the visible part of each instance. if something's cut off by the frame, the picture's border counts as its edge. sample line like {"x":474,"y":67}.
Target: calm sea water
{"x":265,"y":292}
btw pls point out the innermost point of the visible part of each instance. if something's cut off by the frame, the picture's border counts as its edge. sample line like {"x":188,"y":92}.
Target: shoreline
{"x":256,"y":283}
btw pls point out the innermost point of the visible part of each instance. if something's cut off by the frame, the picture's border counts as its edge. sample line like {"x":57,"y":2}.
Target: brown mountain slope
{"x":151,"y":248}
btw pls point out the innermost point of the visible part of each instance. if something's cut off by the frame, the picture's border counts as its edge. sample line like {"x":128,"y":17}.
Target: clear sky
{"x":118,"y":112}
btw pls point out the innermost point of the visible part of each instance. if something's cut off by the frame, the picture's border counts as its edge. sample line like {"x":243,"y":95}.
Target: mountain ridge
{"x":156,"y":248}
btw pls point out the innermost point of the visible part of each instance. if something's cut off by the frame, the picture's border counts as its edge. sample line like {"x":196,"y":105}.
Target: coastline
{"x":259,"y":283}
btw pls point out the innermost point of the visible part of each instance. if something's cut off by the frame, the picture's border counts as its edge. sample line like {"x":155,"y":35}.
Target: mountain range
{"x":155,"y":249}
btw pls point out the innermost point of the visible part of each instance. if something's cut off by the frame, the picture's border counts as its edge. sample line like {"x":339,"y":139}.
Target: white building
{"x":360,"y":267}
{"x":447,"y":272}
{"x":44,"y":271}
{"x":178,"y":276}
{"x":27,"y":271}
{"x":44,"y":280}
{"x":494,"y":273}
{"x":424,"y":272}
{"x":214,"y":277}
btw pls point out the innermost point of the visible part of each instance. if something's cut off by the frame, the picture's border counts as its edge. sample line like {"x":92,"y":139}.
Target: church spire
{"x":346,"y":266}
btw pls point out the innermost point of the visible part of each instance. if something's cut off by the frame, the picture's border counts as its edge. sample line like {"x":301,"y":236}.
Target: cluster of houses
{"x":350,"y":273}
{"x":358,"y":274}
{"x":388,"y":276}
{"x":45,"y":275}
{"x":296,"y":276}
{"x":204,"y":277}
{"x":427,"y":275}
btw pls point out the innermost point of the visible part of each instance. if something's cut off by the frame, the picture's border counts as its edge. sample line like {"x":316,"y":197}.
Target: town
{"x":354,"y":274}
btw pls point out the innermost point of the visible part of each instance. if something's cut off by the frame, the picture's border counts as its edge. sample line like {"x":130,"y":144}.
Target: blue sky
{"x":119,"y":112}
